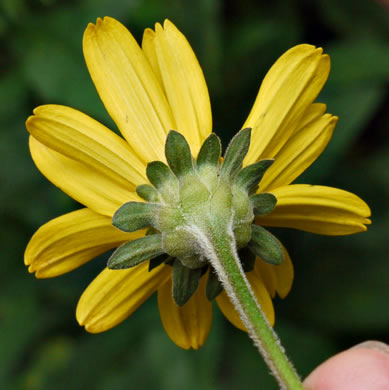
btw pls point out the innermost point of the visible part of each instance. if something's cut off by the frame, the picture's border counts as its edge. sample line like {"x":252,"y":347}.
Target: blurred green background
{"x":340,"y":294}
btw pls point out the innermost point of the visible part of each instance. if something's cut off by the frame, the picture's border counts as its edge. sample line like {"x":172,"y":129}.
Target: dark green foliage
{"x":210,"y":151}
{"x":264,"y":245}
{"x":157,"y":172}
{"x":147,"y":192}
{"x":134,"y":215}
{"x":235,"y":154}
{"x":178,"y":154}
{"x":250,"y":176}
{"x":263,"y":203}
{"x":185,"y":282}
{"x":135,"y":252}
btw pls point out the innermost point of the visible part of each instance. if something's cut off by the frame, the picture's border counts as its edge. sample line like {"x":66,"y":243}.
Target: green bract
{"x":185,"y":201}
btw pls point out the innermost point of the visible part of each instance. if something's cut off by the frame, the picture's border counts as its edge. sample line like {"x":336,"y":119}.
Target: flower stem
{"x":221,"y":252}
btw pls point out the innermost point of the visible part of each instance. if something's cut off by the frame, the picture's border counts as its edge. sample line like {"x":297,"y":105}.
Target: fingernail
{"x":373,"y":344}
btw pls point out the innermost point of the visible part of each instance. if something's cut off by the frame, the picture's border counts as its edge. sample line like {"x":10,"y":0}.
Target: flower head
{"x":149,"y":91}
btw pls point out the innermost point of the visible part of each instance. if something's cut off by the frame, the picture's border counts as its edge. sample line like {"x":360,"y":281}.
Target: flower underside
{"x":185,"y":200}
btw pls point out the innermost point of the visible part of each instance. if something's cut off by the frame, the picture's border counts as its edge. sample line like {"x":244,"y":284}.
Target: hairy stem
{"x":219,"y":247}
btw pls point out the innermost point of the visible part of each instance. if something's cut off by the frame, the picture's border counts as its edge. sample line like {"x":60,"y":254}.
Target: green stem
{"x":221,"y":252}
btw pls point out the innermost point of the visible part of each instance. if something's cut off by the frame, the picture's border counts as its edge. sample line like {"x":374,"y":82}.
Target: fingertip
{"x":358,"y":368}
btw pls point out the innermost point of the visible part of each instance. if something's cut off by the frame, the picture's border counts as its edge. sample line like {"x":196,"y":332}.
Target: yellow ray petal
{"x":70,"y":241}
{"x":317,"y":209}
{"x":115,"y":294}
{"x":260,"y":292}
{"x":81,"y":138}
{"x":313,"y":112}
{"x":128,"y":87}
{"x":148,"y":48}
{"x":277,"y":278}
{"x":288,"y":89}
{"x":84,"y":184}
{"x":268,"y":275}
{"x":301,"y":150}
{"x":183,"y":81}
{"x":188,"y":326}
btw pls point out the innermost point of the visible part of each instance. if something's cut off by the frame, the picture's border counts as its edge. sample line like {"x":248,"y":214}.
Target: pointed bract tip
{"x":248,"y":129}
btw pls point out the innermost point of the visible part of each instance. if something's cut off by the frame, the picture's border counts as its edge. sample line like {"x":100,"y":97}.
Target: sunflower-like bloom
{"x":148,"y":91}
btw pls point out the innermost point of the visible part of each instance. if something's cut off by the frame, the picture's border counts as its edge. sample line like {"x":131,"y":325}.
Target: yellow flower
{"x":148,"y":91}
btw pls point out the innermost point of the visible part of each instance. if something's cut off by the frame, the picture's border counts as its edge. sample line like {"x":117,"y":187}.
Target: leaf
{"x":235,"y":153}
{"x":163,"y":179}
{"x":147,"y":192}
{"x":266,"y":246}
{"x":263,"y":203}
{"x":135,"y":252}
{"x":158,"y":173}
{"x":178,"y":154}
{"x":250,"y":176}
{"x":185,"y":282}
{"x":135,"y":215}
{"x":210,"y":151}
